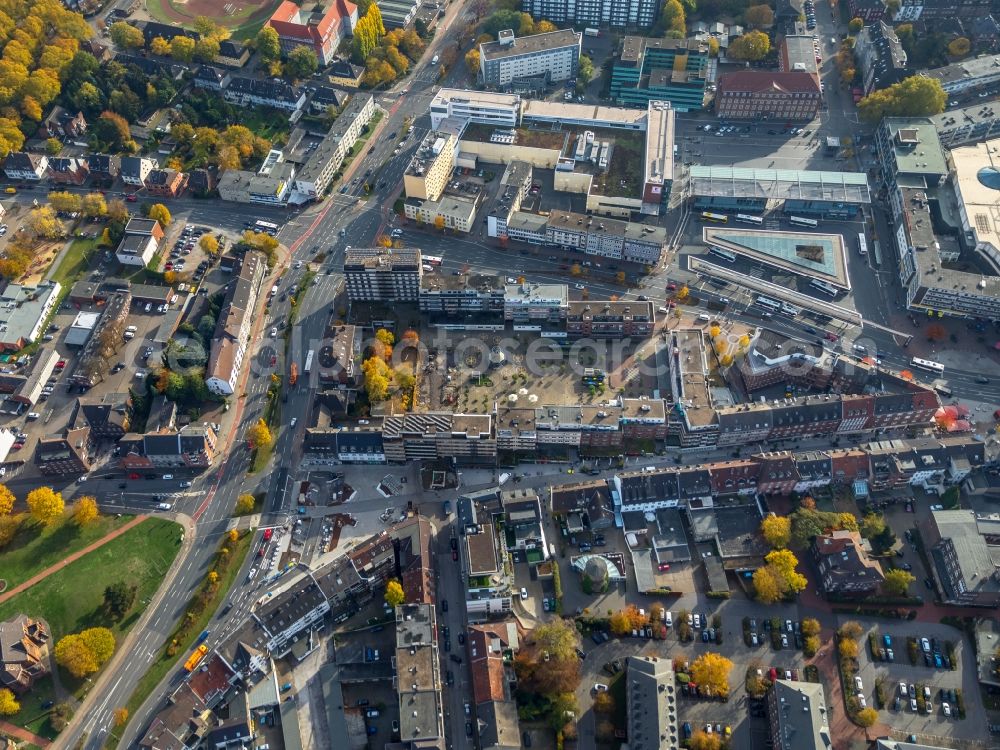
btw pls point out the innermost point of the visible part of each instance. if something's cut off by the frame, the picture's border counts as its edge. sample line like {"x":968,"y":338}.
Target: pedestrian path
{"x":23,"y":734}
{"x":72,"y":558}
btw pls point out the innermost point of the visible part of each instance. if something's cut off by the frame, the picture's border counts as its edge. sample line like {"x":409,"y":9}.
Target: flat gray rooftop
{"x":779,"y":184}
{"x":810,"y":254}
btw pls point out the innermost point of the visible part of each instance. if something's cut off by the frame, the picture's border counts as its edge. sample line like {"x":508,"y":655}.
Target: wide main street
{"x":209,"y":504}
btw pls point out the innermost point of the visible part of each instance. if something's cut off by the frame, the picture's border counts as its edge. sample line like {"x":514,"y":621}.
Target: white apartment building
{"x":317,"y":173}
{"x":554,"y":56}
{"x":595,"y":13}
{"x":503,"y":110}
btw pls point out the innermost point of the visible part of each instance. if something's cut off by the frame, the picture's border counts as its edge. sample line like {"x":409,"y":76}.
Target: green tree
{"x":951,"y":497}
{"x":472,"y":61}
{"x":394,"y":595}
{"x":759,"y":16}
{"x":118,"y":599}
{"x":245,"y":504}
{"x":182,"y":48}
{"x":897,"y":582}
{"x":776,"y":530}
{"x":6,"y":500}
{"x":8,"y":703}
{"x":160,"y":213}
{"x":126,"y":36}
{"x":500,"y":20}
{"x":916,"y":96}
{"x":754,"y":45}
{"x":45,"y":505}
{"x":959,"y":47}
{"x":871,"y":525}
{"x":268,"y":44}
{"x":302,"y":62}
{"x":207,"y":49}
{"x":855,"y":25}
{"x":585,"y":74}
{"x":673,"y":18}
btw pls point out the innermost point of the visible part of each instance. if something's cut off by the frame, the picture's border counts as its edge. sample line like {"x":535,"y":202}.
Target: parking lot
{"x":890,"y":674}
{"x":748,"y":732}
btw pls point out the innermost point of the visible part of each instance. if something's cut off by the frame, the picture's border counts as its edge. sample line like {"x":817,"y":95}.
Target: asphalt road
{"x":328,"y":227}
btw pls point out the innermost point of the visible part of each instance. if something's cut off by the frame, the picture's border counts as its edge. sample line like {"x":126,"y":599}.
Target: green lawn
{"x":267,"y":123}
{"x":70,"y":599}
{"x":32,"y":550}
{"x":74,"y":261}
{"x":164,"y":662}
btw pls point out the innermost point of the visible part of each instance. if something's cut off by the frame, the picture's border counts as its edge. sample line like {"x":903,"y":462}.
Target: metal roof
{"x":779,"y":184}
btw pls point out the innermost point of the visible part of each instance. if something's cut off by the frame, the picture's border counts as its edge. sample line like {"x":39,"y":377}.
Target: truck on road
{"x":195,"y":658}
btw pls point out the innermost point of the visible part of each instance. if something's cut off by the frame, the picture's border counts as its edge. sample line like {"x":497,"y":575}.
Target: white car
{"x":274,"y":332}
{"x":858,"y":685}
{"x":524,"y":593}
{"x":579,"y":286}
{"x":669,"y":618}
{"x":946,"y":708}
{"x":600,"y":687}
{"x":164,"y":506}
{"x":861,"y":700}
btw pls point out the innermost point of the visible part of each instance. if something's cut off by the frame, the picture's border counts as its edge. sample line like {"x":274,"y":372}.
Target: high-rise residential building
{"x":378,"y":274}
{"x":549,"y":57}
{"x":650,"y":691}
{"x":427,"y":175}
{"x":799,"y":717}
{"x":595,"y":12}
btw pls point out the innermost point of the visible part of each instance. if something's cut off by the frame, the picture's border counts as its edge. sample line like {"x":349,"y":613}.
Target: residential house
{"x":209,"y":77}
{"x":584,"y":505}
{"x":166,"y":183}
{"x":108,"y":416}
{"x":325,"y":97}
{"x":135,"y":169}
{"x":60,"y":124}
{"x":21,"y":165}
{"x":845,"y":568}
{"x":232,"y":331}
{"x":190,"y":447}
{"x":345,"y":73}
{"x":24,"y":653}
{"x":68,"y":455}
{"x":258,"y":92}
{"x":232,"y":53}
{"x":322,"y":32}
{"x":490,"y":668}
{"x":68,"y":171}
{"x":524,"y":528}
{"x":103,"y":168}
{"x":201,"y":182}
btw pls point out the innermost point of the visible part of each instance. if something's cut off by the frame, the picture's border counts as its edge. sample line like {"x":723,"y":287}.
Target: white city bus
{"x":798,"y":221}
{"x":927,"y":364}
{"x":747,"y":219}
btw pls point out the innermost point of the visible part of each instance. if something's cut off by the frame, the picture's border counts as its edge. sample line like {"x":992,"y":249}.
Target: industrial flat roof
{"x":779,"y":184}
{"x":813,"y":255}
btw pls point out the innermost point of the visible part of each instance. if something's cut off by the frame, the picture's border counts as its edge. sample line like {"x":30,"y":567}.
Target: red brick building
{"x":775,"y":96}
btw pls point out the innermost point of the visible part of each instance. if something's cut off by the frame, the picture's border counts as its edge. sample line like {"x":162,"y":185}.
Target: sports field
{"x":242,"y":17}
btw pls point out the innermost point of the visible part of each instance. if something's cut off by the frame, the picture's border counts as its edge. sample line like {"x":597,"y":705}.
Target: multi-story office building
{"x":466,"y":439}
{"x":483,"y":107}
{"x":381,"y":275}
{"x":671,"y":70}
{"x":428,"y":172}
{"x":961,"y":560}
{"x":768,"y":95}
{"x":799,"y":716}
{"x":474,"y":296}
{"x":454,"y":212}
{"x":607,"y":238}
{"x":658,"y":169}
{"x":880,"y":56}
{"x":936,"y":10}
{"x":915,"y":170}
{"x":550,"y":57}
{"x":609,"y":320}
{"x":649,"y":698}
{"x":977,"y":122}
{"x":972,"y":74}
{"x":529,"y":306}
{"x":595,"y":13}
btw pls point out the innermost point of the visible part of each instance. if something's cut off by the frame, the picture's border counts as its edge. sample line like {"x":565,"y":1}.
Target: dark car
{"x":468,"y":728}
{"x":454,"y":542}
{"x":444,"y":605}
{"x":461,"y":638}
{"x":450,"y":678}
{"x":392,"y":134}
{"x":122,"y":486}
{"x":982,"y":380}
{"x":643,"y":298}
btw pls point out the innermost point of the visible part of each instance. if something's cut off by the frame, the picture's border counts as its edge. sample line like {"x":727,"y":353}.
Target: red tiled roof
{"x":486,"y":668}
{"x":789,"y":81}
{"x":287,"y":21}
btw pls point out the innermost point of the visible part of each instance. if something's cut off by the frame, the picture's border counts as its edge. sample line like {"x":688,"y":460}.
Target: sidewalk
{"x":72,"y":558}
{"x":23,"y":734}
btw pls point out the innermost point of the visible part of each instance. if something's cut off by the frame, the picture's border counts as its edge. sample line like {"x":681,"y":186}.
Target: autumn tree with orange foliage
{"x":626,"y":620}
